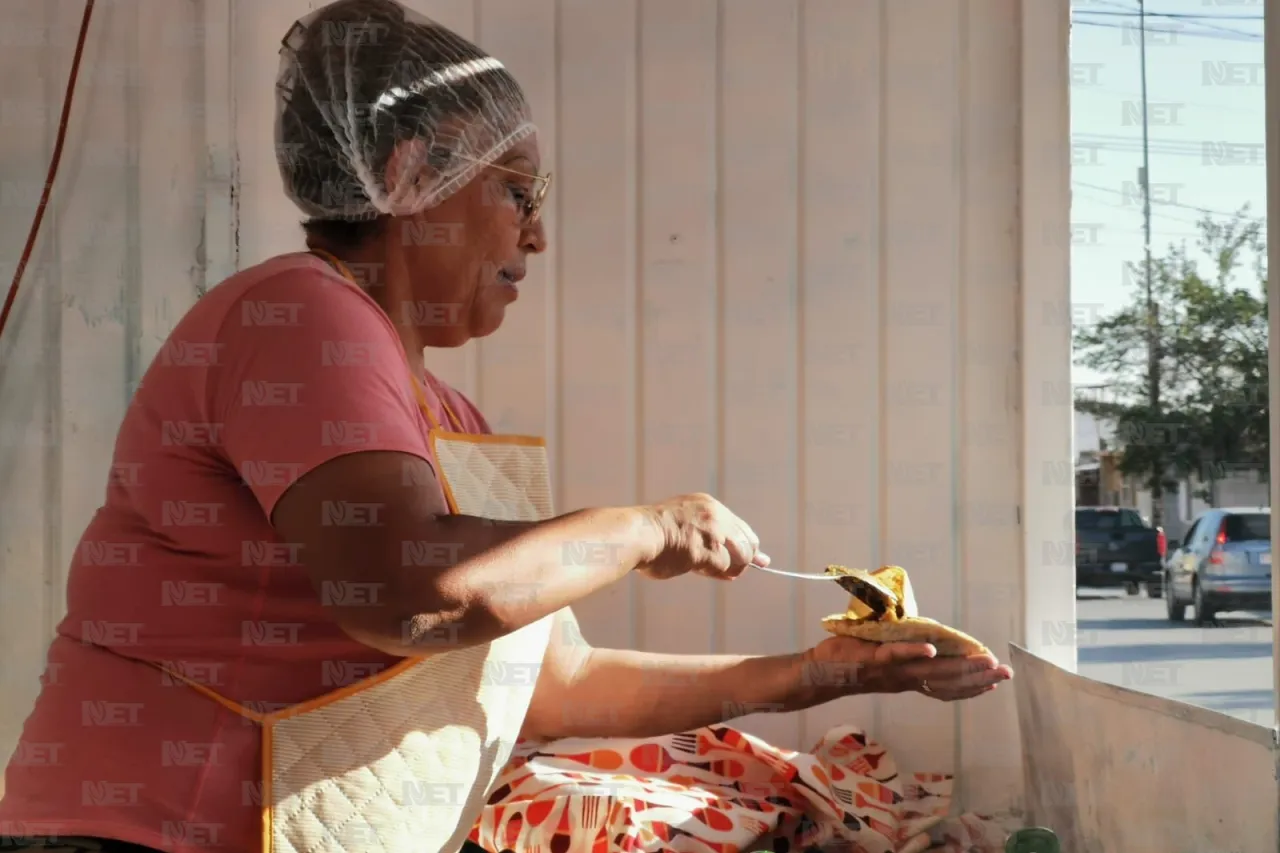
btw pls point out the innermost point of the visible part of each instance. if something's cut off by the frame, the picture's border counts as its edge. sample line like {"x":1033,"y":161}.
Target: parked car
{"x":1117,"y":547}
{"x":1223,"y":563}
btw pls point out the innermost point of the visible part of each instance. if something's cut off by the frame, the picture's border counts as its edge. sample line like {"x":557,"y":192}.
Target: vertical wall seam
{"x":216,"y":254}
{"x":200,"y":95}
{"x":132,"y":290}
{"x":233,"y":116}
{"x":637,"y":297}
{"x":959,"y":430}
{"x":720,"y":397}
{"x":51,"y":272}
{"x":553,"y":353}
{"x":476,"y":359}
{"x":801,"y":270}
{"x":881,"y":491}
{"x":471,"y":359}
{"x":1020,"y":298}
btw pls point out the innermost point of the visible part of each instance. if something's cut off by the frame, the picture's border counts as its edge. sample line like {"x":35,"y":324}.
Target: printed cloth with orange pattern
{"x":720,"y":790}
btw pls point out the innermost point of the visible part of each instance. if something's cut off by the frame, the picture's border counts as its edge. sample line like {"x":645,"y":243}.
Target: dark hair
{"x":343,"y":233}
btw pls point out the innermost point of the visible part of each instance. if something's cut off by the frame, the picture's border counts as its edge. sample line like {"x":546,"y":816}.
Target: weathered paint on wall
{"x":808,"y":255}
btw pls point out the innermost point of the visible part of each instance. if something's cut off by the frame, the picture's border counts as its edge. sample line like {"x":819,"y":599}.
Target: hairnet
{"x":359,"y":76}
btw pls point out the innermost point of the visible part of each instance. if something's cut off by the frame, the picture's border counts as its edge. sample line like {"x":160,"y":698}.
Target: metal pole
{"x":1153,"y":354}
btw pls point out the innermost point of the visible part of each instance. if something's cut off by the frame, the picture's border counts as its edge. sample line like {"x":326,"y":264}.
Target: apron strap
{"x":422,"y":404}
{"x":454,"y":420}
{"x":333,"y":261}
{"x":342,"y":269}
{"x":210,"y":693}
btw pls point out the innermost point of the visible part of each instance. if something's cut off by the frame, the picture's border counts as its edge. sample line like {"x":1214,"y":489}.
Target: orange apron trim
{"x":268,"y":721}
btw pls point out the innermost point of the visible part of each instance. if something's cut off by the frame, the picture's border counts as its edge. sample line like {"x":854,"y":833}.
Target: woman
{"x":313,"y":555}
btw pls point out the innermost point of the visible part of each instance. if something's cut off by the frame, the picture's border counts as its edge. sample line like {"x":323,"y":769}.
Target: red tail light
{"x":1215,"y":553}
{"x":1162,"y":542}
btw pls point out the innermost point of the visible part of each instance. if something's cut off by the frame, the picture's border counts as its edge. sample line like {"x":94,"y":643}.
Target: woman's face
{"x":465,"y":258}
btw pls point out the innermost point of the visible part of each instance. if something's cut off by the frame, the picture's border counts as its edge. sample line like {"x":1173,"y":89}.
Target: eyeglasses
{"x":530,"y":208}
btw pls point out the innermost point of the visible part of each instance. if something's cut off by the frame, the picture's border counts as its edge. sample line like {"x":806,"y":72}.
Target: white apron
{"x":402,"y":762}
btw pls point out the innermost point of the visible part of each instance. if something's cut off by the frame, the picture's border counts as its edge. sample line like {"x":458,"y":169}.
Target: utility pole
{"x":1144,"y":180}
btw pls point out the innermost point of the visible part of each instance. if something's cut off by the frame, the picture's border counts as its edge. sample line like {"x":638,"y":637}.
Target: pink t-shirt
{"x":275,"y":371}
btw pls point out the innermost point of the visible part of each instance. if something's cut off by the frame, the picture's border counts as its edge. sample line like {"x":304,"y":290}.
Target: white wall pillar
{"x":1272,"y":95}
{"x":1047,"y":399}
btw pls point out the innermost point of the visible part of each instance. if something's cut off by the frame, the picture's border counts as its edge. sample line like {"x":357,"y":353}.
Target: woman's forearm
{"x":400,"y":573}
{"x":641,"y":694}
{"x":501,"y":576}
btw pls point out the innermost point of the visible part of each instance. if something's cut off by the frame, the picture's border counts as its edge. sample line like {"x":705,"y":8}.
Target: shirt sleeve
{"x":309,"y":370}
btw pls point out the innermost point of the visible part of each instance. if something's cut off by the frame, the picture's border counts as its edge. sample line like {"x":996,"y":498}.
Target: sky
{"x":1206,"y":125}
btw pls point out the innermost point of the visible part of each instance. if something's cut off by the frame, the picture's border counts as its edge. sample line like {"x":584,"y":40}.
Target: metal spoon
{"x":801,"y":576}
{"x":849,"y":584}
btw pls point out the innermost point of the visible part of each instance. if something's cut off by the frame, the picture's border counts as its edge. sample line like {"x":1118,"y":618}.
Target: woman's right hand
{"x":700,"y":535}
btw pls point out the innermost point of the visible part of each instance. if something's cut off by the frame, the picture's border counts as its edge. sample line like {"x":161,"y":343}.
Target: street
{"x":1129,"y":641}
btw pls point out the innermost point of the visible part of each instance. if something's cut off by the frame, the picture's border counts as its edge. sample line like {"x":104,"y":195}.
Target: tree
{"x":1210,"y":339}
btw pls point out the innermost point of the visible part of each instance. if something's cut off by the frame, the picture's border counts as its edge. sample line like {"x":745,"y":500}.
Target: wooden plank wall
{"x":785,"y":267}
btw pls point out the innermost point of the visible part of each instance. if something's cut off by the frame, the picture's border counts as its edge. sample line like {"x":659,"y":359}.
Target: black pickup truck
{"x":1115,"y":547}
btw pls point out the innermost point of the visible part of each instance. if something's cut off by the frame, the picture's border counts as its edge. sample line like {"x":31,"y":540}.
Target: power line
{"x":1259,"y":111}
{"x":1170,"y":141}
{"x":1217,"y":36}
{"x":1114,"y":4}
{"x":1128,"y":207}
{"x":1134,"y":11}
{"x":1212,"y":152}
{"x":1100,"y":236}
{"x":1198,"y":18}
{"x":1239,"y":156}
{"x":1136,"y":148}
{"x":1159,"y":214}
{"x":1120,"y":137}
{"x":1177,"y":16}
{"x":1205,"y":210}
{"x":1190,"y":147}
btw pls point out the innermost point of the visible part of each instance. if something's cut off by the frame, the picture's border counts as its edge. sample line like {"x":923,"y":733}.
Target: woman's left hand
{"x":843,"y":666}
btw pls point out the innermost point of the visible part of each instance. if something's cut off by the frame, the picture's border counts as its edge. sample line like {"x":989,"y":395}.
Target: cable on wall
{"x":53,"y":168}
